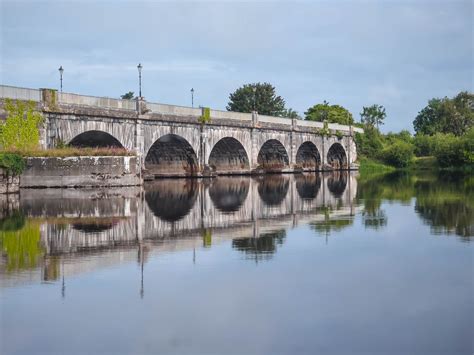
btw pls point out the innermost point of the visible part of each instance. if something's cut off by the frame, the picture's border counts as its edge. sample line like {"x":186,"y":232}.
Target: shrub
{"x":369,"y":144}
{"x":449,"y":150}
{"x":20,"y":129}
{"x":13,"y":163}
{"x":424,"y":145}
{"x":398,"y":154}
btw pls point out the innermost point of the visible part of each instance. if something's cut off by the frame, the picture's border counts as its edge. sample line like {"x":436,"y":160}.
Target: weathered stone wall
{"x":81,"y":172}
{"x":8,"y":183}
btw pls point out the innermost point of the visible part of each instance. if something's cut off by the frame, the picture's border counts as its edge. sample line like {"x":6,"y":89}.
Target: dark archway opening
{"x":95,"y":139}
{"x":337,"y":157}
{"x":308,"y":156}
{"x":308,"y":185}
{"x":337,"y":183}
{"x":171,"y":155}
{"x":272,"y":156}
{"x":229,"y":193}
{"x":273,"y":189}
{"x":171,"y":200}
{"x":228,"y":155}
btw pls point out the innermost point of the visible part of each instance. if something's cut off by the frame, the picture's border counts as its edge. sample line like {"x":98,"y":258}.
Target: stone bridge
{"x":176,"y":141}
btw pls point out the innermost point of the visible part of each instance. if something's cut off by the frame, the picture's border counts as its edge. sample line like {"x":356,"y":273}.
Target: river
{"x":278,"y":264}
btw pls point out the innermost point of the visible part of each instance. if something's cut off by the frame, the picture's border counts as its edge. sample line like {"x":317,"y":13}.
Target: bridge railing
{"x":313,"y":124}
{"x":217,"y":114}
{"x":104,"y":102}
{"x":16,"y":93}
{"x":173,"y":110}
{"x":272,"y":119}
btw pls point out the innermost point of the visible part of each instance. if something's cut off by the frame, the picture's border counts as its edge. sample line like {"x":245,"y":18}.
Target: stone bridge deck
{"x":173,"y":141}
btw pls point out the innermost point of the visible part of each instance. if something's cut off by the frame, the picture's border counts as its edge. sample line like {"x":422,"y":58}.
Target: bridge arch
{"x":308,"y":156}
{"x":171,"y":155}
{"x":337,"y":157}
{"x":273,"y":155}
{"x":229,"y":155}
{"x":95,"y":139}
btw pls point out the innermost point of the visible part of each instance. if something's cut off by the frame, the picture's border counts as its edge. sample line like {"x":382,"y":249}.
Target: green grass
{"x":372,"y":166}
{"x":73,"y":152}
{"x":424,"y":163}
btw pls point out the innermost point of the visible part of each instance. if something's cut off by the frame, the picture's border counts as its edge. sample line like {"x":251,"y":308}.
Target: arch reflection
{"x":337,"y":182}
{"x":228,"y":194}
{"x":171,"y":200}
{"x":308,"y":185}
{"x":273,"y":189}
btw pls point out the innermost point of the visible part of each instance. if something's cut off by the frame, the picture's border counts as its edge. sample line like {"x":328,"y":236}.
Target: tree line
{"x":443,"y":129}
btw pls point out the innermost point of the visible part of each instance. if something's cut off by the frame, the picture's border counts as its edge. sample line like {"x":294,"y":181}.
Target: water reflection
{"x":444,"y":201}
{"x":337,"y":183}
{"x":308,"y":185}
{"x":171,"y":200}
{"x":273,"y":189}
{"x":72,"y":231}
{"x":243,"y":249}
{"x":228,"y":194}
{"x":261,"y":248}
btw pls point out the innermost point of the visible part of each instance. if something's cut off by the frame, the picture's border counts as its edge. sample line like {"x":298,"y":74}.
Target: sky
{"x":398,"y":54}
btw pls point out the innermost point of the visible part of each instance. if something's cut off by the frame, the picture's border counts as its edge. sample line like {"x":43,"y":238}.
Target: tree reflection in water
{"x":262,"y":247}
{"x":444,"y":201}
{"x":20,"y":242}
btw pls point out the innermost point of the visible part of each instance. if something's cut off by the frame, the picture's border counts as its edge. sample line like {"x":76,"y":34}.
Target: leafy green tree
{"x":373,"y":116}
{"x":20,"y":130}
{"x":398,"y":154}
{"x":128,"y":96}
{"x":331,"y":113}
{"x":290,"y":113}
{"x":446,"y":115}
{"x":259,"y":97}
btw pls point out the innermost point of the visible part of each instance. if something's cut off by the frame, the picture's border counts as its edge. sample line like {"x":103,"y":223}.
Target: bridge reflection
{"x":82,"y":230}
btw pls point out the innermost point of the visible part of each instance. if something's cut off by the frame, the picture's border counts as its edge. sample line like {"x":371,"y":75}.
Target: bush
{"x":20,"y":129}
{"x":14,"y":164}
{"x":398,"y":154}
{"x":424,"y":145}
{"x":450,"y":150}
{"x":369,"y":144}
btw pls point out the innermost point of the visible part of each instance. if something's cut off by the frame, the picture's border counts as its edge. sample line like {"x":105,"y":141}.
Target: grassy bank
{"x":72,"y":152}
{"x":369,"y":166}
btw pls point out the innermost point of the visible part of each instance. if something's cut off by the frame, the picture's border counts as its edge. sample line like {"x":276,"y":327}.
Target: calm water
{"x":275,"y":265}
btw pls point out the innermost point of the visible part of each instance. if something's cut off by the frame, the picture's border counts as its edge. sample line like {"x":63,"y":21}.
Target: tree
{"x":128,"y":96}
{"x":20,"y":130}
{"x":331,"y":113}
{"x":446,"y":115}
{"x":258,"y":97}
{"x":290,"y":113}
{"x":373,"y":116}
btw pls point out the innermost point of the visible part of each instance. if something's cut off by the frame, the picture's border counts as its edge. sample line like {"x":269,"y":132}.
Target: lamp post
{"x":61,"y":71}
{"x":192,"y":97}
{"x":139,"y":67}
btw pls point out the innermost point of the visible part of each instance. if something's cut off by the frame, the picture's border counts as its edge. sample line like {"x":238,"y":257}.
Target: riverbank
{"x":429,"y":163}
